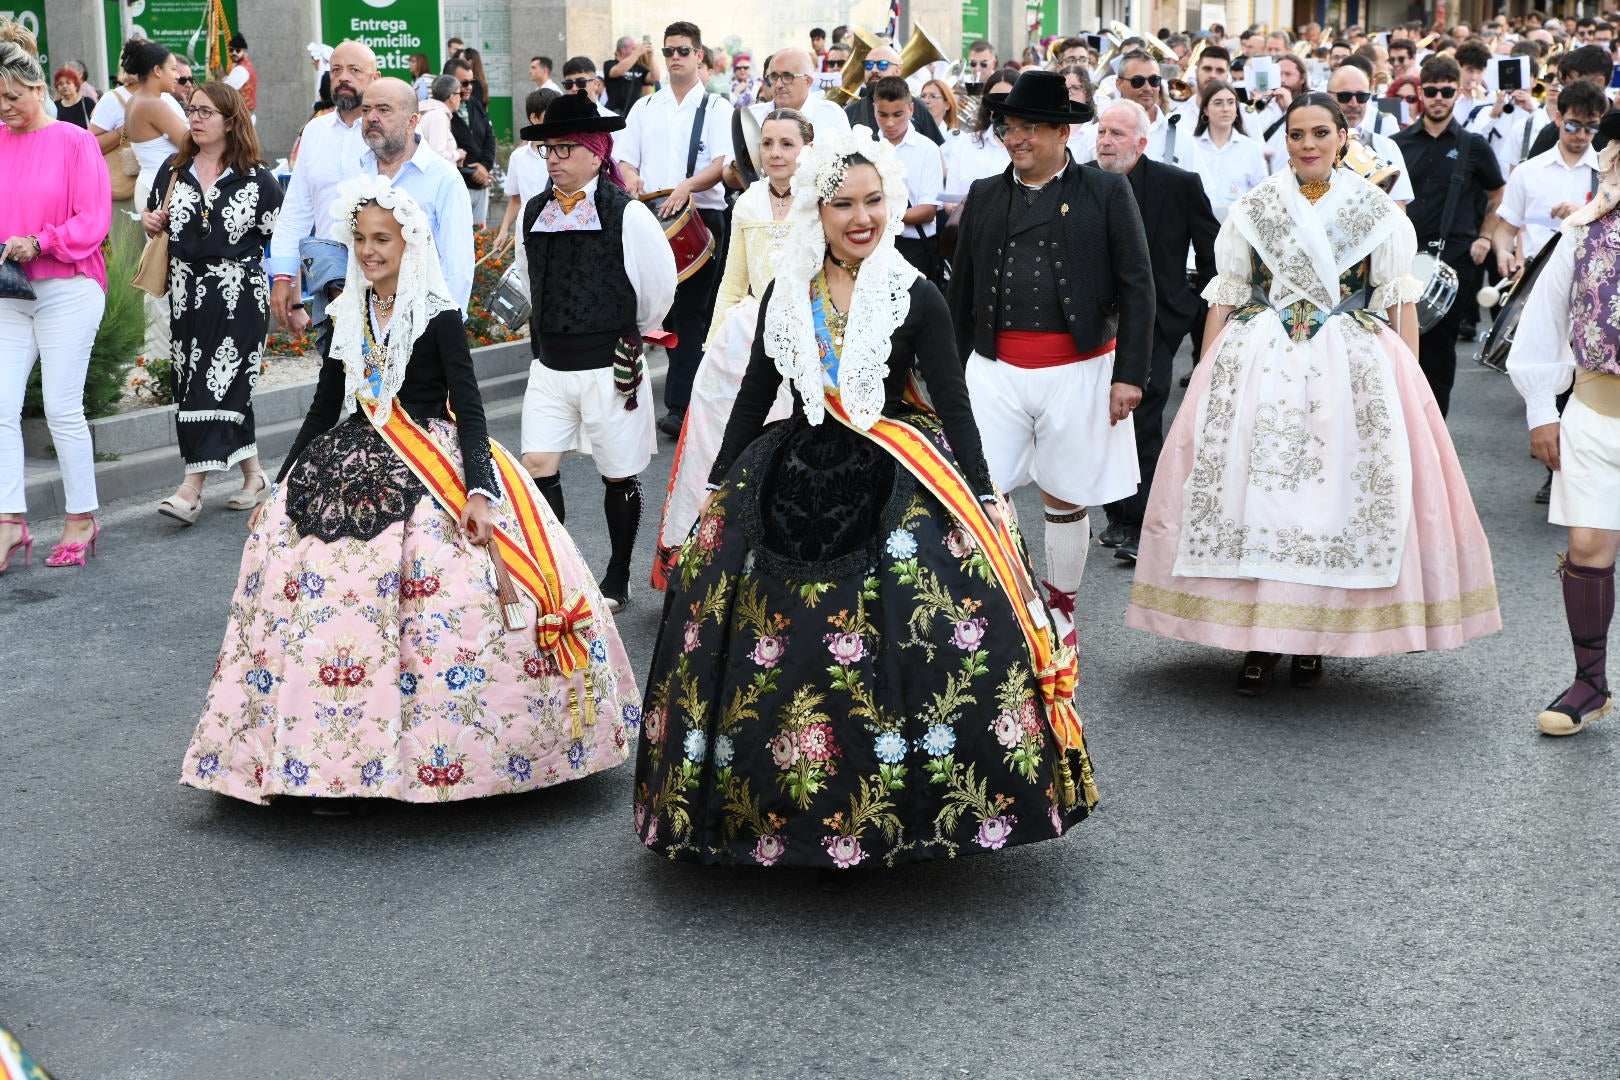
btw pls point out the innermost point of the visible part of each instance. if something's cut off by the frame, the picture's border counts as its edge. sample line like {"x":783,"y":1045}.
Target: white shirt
{"x":1385,"y":148}
{"x":1541,"y":362}
{"x":526,"y":174}
{"x":236,"y":77}
{"x":328,"y":154}
{"x":108,"y":115}
{"x":1083,"y":142}
{"x":649,"y":262}
{"x":827,"y":118}
{"x":552,"y":86}
{"x":1510,"y":134}
{"x":1539,"y":185}
{"x":925,"y":177}
{"x":970,"y":157}
{"x":438,"y":189}
{"x":1181,"y":152}
{"x":1229,"y":171}
{"x":657,"y":138}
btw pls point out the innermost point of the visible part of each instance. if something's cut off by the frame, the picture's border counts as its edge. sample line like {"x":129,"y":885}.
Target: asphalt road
{"x":1390,"y":876}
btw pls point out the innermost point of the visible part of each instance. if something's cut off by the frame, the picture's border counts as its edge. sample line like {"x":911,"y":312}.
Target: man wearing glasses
{"x":1052,"y":299}
{"x":880,"y":63}
{"x":476,"y":135}
{"x":1514,"y":119}
{"x":1437,"y":148}
{"x":600,"y":274}
{"x":1351,"y":86}
{"x":677,"y":140}
{"x":1139,"y":81}
{"x":790,"y":81}
{"x":1550,"y":187}
{"x":980,"y":64}
{"x":579,"y":77}
{"x":632,"y":73}
{"x":242,"y":76}
{"x":1589,"y":63}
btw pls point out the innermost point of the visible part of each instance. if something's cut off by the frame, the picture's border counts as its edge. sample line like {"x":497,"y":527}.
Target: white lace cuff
{"x":1402,"y":290}
{"x":1228,"y":291}
{"x":494,"y":498}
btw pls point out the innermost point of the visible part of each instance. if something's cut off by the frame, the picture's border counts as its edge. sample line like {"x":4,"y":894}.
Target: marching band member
{"x":1262,"y":534}
{"x":1351,"y":86}
{"x":1052,"y":297}
{"x":1551,"y":186}
{"x":1170,"y":135}
{"x":924,"y":170}
{"x":371,"y":652}
{"x":601,"y":276}
{"x":1568,"y":332}
{"x":1512,"y":123}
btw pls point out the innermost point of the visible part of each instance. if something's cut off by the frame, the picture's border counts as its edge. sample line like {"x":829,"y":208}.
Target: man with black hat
{"x":600,"y":276}
{"x":242,"y":76}
{"x":1052,"y":297}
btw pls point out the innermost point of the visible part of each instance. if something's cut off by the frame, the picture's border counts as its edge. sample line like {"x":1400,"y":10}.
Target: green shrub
{"x":121,"y":334}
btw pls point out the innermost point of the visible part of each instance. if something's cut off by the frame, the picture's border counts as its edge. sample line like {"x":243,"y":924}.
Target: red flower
{"x":290,"y":590}
{"x":424,"y":773}
{"x":429,"y":586}
{"x":454,"y":773}
{"x":534,"y":667}
{"x":355,"y":675}
{"x":258,"y":776}
{"x":329,"y":675}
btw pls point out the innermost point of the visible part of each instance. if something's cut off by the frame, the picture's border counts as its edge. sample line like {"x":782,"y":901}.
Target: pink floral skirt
{"x":381,"y":669}
{"x":1445,"y":594}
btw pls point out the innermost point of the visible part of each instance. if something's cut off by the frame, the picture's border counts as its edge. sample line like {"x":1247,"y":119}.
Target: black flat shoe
{"x":1254,"y":677}
{"x":1306,"y":672}
{"x":1544,"y":496}
{"x":1126,"y":552}
{"x":670,"y":424}
{"x":1116,"y":534}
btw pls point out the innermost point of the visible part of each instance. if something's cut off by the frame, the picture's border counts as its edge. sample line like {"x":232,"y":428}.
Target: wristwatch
{"x":38,"y":251}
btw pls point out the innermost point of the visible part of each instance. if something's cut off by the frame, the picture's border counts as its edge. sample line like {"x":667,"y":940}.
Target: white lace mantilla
{"x":882,"y":295}
{"x":1301,"y":470}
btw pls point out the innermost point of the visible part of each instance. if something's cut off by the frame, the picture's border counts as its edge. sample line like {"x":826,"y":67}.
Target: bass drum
{"x":1439,"y":290}
{"x":1494,"y":353}
{"x":689,"y":238}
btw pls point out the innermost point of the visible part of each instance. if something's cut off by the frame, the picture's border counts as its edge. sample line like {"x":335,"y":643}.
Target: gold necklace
{"x":837,"y":321}
{"x":850,"y":267}
{"x":1314,"y":189}
{"x":383,"y":306}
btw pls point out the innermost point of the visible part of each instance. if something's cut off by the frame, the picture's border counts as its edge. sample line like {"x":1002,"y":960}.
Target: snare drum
{"x":510,"y":301}
{"x":689,"y":238}
{"x":1439,"y":289}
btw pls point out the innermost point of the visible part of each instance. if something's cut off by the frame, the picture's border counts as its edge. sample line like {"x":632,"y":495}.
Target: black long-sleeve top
{"x":440,"y":369}
{"x":476,"y":135}
{"x":924,"y":343}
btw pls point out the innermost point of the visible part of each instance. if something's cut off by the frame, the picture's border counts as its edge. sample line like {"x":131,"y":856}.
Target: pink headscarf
{"x":600,"y":143}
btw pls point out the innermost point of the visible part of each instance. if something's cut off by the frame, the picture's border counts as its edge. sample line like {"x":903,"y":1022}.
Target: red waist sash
{"x":1039,"y":349}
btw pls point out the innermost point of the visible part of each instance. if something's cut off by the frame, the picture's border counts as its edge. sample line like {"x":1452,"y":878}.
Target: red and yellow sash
{"x":526,"y":554}
{"x":1056,"y":671}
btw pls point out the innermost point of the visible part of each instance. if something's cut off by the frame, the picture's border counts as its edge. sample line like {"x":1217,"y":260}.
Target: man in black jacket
{"x":880,"y":62}
{"x":1177,"y":215}
{"x":1052,"y":298}
{"x":473,"y":133}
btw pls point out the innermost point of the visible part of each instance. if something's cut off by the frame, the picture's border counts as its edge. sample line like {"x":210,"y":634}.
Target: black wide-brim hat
{"x":571,"y":114}
{"x":1041,"y":96}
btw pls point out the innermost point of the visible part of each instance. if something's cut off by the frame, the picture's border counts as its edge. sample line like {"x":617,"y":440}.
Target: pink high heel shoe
{"x":72,"y":553}
{"x":26,"y":542}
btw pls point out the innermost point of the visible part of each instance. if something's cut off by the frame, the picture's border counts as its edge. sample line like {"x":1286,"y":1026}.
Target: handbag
{"x":14,"y":283}
{"x":153,"y":276}
{"x":122,"y":165}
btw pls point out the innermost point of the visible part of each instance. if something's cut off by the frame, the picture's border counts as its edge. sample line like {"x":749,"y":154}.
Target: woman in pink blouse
{"x":55,"y":209}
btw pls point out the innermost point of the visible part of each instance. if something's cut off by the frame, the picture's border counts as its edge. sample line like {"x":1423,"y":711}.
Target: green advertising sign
{"x":975,"y":23}
{"x":181,"y":26}
{"x":393,"y":28}
{"x":31,"y":14}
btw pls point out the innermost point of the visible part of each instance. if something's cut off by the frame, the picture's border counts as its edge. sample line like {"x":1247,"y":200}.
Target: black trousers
{"x":1149,"y":423}
{"x":923,"y":253}
{"x":1437,"y":350}
{"x":688,"y":319}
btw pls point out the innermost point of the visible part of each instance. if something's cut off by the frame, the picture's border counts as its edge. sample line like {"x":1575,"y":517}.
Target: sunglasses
{"x":1447,"y":92}
{"x":671,"y":50}
{"x":1575,"y":127}
{"x":1347,"y":96}
{"x":466,"y":83}
{"x":185,"y":80}
{"x":879,"y":65}
{"x":576,"y":84}
{"x":1139,"y":81}
{"x":981,"y":64}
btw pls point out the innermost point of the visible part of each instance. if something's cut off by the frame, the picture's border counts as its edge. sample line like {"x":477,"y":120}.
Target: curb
{"x":143,"y":447}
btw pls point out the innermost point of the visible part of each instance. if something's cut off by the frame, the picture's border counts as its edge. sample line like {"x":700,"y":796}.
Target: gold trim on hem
{"x":1303,"y":617}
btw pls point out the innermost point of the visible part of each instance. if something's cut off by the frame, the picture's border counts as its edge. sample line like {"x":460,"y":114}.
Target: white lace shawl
{"x":882,"y":295}
{"x":421,"y":292}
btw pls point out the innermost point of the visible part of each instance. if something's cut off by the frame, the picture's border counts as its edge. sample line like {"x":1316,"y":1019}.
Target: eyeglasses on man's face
{"x":981,"y":65}
{"x":560,"y":151}
{"x":185,"y":80}
{"x":784,"y":78}
{"x":1575,"y":127}
{"x":879,"y":65}
{"x":467,"y":84}
{"x":1447,"y":92}
{"x":1019,"y":132}
{"x":576,"y":84}
{"x":1139,"y":81}
{"x":1347,"y":96}
{"x":671,"y":50}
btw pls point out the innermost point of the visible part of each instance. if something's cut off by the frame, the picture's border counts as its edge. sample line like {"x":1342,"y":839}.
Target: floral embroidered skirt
{"x":380,"y":668}
{"x":838,"y":679}
{"x":1444,"y":593}
{"x":714,"y":389}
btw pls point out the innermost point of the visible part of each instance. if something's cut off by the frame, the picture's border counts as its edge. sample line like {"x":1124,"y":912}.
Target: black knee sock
{"x":621,"y":503}
{"x":551,"y":488}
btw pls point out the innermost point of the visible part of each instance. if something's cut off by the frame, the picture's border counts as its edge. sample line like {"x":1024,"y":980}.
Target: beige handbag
{"x":153,"y":276}
{"x":122,"y":165}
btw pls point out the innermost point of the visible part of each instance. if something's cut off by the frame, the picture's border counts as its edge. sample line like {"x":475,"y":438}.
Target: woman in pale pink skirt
{"x":386,"y":638}
{"x":1309,"y":500}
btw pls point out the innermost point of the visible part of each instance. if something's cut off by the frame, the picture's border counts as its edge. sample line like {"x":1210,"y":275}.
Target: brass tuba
{"x":920,"y":51}
{"x":854,"y":68}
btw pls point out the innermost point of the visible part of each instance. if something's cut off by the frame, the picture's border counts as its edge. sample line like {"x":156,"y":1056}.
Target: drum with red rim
{"x":689,"y":238}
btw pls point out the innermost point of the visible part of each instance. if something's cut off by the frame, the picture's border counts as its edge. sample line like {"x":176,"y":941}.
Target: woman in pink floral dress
{"x":372,"y":650}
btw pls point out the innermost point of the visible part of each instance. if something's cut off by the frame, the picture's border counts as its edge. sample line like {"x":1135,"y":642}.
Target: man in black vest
{"x":1052,"y":297}
{"x":1177,"y":215}
{"x":601,"y":276}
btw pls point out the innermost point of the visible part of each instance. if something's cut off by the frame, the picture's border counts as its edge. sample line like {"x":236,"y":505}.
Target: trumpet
{"x":1180,"y":89}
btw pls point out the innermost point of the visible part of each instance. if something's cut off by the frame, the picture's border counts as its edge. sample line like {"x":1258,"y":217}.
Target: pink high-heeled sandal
{"x":26,"y":542}
{"x":72,"y":553}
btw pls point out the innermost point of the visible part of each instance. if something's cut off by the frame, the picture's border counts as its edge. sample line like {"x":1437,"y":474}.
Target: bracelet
{"x":289,"y":278}
{"x":38,"y":251}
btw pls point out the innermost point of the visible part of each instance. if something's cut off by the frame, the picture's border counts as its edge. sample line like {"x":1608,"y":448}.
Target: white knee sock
{"x":1068,"y":539}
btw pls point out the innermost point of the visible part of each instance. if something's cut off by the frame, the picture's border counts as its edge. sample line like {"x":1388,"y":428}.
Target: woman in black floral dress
{"x":221,"y":210}
{"x":843,"y":675}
